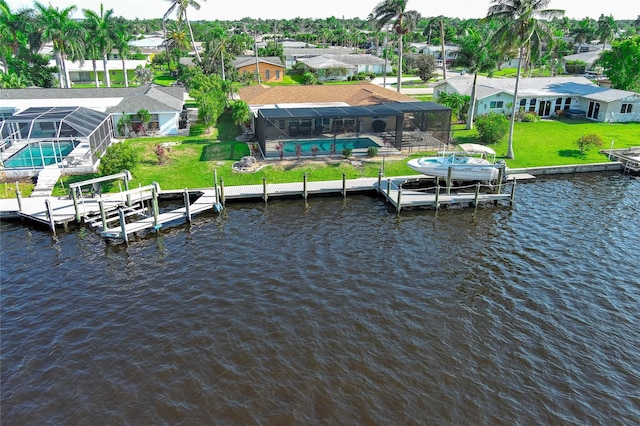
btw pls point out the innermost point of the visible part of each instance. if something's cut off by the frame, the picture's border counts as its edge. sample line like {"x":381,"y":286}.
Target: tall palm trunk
{"x":510,"y":153}
{"x":58,"y":57}
{"x":107,"y":78}
{"x":444,"y":53}
{"x":124,"y":70}
{"x":399,"y":82}
{"x":95,"y":72}
{"x":472,"y":106}
{"x":65,"y":70}
{"x":193,"y":41}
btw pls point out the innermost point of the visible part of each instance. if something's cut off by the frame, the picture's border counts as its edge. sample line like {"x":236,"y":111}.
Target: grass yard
{"x":552,"y":142}
{"x":193,"y":159}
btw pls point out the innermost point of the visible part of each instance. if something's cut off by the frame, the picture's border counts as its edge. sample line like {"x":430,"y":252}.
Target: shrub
{"x":346,"y":152}
{"x":587,"y":142}
{"x":309,"y":78}
{"x":492,"y":127}
{"x":527,"y":117}
{"x":118,"y":157}
{"x":372,"y":151}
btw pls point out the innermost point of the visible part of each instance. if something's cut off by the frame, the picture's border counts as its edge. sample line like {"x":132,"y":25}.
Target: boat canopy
{"x":476,"y":148}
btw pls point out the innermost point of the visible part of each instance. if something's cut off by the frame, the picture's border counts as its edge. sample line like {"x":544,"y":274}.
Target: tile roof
{"x":362,"y":93}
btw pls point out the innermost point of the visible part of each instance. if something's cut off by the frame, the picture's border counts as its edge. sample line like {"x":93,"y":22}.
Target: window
{"x":626,"y":109}
{"x":567,"y":104}
{"x":558,"y":103}
{"x":277,"y":74}
{"x":496,"y":104}
{"x":268,"y":74}
{"x":523,"y":102}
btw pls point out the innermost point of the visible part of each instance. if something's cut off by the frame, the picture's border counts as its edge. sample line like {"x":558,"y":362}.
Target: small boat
{"x":465,"y":165}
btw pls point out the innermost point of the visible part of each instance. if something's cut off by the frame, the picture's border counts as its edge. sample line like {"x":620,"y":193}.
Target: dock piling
{"x":513,"y":193}
{"x":386,"y":198}
{"x":154,"y":205}
{"x":344,"y":185}
{"x":304,"y":186}
{"x":449,"y":176}
{"x":19,"y":196}
{"x":222,"y":201}
{"x":52,"y":223}
{"x":475,"y":200}
{"x":399,"y":206}
{"x":264,"y":189}
{"x":103,"y":216}
{"x":123,"y":226}
{"x":380,"y":179}
{"x":187,"y":205}
{"x":437,"y":195}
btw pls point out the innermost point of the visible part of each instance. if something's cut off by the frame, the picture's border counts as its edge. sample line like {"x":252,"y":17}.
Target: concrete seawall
{"x":613,"y":166}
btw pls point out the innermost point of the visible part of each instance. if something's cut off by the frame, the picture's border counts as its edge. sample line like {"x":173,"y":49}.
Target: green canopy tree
{"x":521,"y":27}
{"x":622,"y":64}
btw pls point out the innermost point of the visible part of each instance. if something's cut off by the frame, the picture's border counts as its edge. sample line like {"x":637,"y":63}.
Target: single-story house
{"x":69,"y":137}
{"x":317,"y":114}
{"x":341,"y":67}
{"x":270,"y":68}
{"x":450,"y":51}
{"x":547,"y":96}
{"x":165,"y":105}
{"x":589,"y":58}
{"x":82,"y":72}
{"x":293,"y":54}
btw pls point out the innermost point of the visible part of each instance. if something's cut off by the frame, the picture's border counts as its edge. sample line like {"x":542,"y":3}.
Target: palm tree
{"x":101,"y":27}
{"x":176,"y":41}
{"x":520,"y":27}
{"x":121,"y":44}
{"x":474,"y":57}
{"x":181,"y":7}
{"x":607,"y":28}
{"x":92,"y":51}
{"x":14,"y":30}
{"x":394,"y":12}
{"x":56,"y":25}
{"x":583,"y":31}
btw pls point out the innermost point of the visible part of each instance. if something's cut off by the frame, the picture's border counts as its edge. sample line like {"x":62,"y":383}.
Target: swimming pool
{"x":324,"y":145}
{"x":39,"y":155}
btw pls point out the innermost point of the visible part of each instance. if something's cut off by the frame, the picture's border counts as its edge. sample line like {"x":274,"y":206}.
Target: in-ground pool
{"x":324,"y":145}
{"x":40,"y":154}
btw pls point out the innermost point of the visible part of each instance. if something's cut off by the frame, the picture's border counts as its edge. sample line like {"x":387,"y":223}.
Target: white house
{"x":341,"y":67}
{"x":163,"y":103}
{"x":547,"y":96}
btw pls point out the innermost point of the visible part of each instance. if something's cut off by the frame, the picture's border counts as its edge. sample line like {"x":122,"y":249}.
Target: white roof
{"x":534,"y":87}
{"x":477,"y":148}
{"x":112,"y":64}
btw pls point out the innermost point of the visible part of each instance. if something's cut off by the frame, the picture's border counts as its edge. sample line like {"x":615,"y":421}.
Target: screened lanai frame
{"x":53,"y":125}
{"x":394,"y":123}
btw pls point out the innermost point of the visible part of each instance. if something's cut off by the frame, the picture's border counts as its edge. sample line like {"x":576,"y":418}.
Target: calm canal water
{"x":334,"y":313}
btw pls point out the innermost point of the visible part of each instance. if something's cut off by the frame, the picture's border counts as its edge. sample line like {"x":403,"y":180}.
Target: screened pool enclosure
{"x":392,"y":127}
{"x":68,"y":137}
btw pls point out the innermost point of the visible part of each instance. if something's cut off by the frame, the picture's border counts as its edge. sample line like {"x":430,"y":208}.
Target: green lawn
{"x":194,"y":159}
{"x":552,"y":142}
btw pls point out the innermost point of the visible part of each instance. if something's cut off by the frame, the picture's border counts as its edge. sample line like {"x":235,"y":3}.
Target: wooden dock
{"x":118,"y":215}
